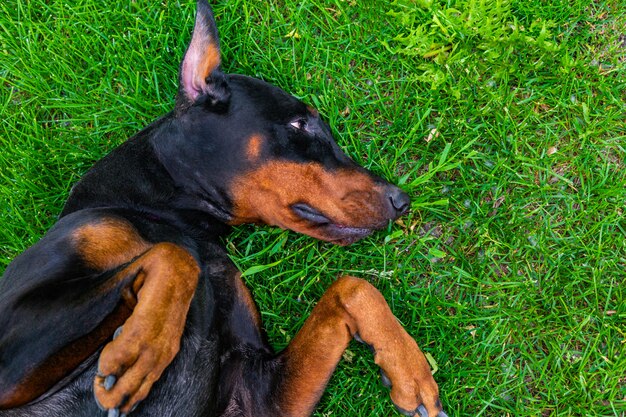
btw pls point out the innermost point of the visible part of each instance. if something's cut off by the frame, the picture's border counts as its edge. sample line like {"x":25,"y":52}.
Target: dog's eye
{"x":299,"y":124}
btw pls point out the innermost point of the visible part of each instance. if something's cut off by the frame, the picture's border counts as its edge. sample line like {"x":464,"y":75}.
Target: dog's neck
{"x":112,"y":183}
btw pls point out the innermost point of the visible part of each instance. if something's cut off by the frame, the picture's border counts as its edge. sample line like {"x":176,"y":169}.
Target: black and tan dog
{"x":137,"y":249}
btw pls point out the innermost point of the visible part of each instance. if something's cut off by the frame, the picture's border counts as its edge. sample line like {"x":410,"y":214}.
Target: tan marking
{"x":109,"y":243}
{"x":313,"y":111}
{"x":153,"y":311}
{"x":348,"y":197}
{"x":103,"y":245}
{"x":59,"y":365}
{"x":167,"y":276}
{"x":253,"y":150}
{"x":348,"y":307}
{"x":201,"y":59}
{"x":209,"y":61}
{"x":243,"y":295}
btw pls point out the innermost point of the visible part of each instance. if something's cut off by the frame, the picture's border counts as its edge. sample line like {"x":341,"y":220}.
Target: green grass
{"x":505,"y":121}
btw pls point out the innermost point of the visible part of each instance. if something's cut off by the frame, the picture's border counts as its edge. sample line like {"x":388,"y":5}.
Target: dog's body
{"x":137,"y":249}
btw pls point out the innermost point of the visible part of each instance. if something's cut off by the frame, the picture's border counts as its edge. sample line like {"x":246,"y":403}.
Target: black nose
{"x":399,"y":200}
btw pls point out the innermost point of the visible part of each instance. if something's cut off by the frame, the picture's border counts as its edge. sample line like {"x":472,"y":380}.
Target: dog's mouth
{"x":327,"y":229}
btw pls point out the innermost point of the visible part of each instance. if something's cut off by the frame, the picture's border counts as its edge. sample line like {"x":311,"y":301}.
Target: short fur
{"x":138,"y":248}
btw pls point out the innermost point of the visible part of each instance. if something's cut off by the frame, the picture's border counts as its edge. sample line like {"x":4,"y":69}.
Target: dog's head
{"x":259,"y":155}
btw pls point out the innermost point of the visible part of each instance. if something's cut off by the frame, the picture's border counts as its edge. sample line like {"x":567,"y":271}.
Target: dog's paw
{"x":405,"y":370}
{"x":130,"y":364}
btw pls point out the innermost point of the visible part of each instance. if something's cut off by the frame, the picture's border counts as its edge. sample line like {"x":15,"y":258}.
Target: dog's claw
{"x":114,"y":412}
{"x":109,"y":381}
{"x":403,"y":411}
{"x":385,"y":379}
{"x":420,"y":411}
{"x":358,"y":338}
{"x":117,"y":332}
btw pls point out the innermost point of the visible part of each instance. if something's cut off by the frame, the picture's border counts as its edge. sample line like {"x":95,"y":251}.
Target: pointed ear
{"x":200,"y":77}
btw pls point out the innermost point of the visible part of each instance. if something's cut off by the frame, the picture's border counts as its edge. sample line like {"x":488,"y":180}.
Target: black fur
{"x":172,"y":182}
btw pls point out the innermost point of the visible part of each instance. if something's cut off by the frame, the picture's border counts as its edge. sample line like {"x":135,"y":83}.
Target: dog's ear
{"x":201,"y":79}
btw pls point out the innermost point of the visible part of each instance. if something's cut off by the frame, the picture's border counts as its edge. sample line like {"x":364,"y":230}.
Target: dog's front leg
{"x":164,"y":281}
{"x":352,"y":308}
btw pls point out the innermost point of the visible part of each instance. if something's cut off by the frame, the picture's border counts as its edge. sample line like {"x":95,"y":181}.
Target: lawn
{"x":504,"y":120}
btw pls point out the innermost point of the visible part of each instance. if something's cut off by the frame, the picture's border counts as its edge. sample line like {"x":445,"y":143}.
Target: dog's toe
{"x":100,"y":406}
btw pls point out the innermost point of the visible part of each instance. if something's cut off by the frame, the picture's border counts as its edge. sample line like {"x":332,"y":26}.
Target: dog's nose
{"x":399,"y":200}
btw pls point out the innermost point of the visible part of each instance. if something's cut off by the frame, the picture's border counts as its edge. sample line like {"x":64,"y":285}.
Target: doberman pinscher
{"x":131,"y":298}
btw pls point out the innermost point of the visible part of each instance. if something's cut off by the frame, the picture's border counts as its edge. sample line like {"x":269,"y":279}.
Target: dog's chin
{"x":344,"y":235}
{"x":323,"y":228}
